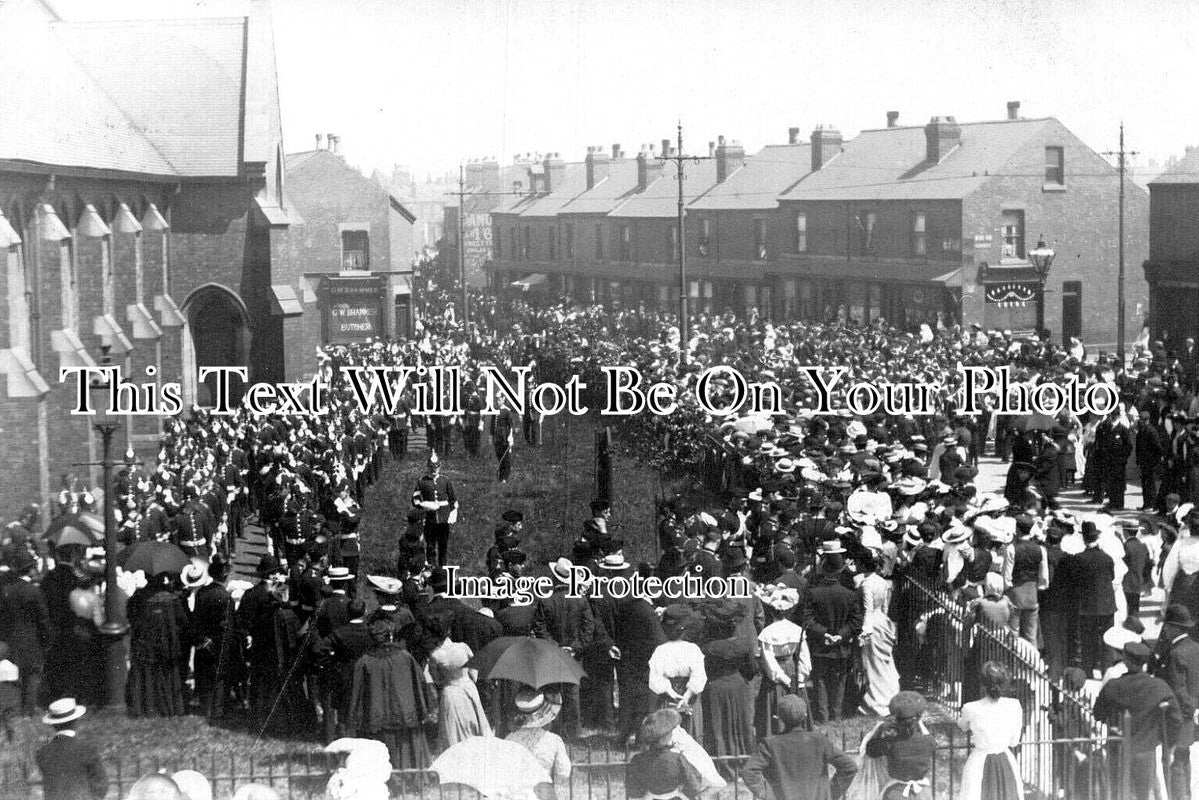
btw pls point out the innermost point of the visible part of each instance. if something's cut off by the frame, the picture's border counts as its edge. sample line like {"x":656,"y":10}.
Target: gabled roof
{"x":890,"y":163}
{"x":607,"y":193}
{"x":661,"y":197}
{"x":758,"y":183}
{"x":195,"y":97}
{"x":297,"y":162}
{"x":1185,"y":171}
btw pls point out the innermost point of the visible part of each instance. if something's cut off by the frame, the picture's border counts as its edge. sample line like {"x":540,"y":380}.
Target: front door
{"x":1071,"y":311}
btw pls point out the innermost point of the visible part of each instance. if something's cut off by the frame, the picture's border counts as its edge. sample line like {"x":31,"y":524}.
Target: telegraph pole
{"x":462,"y":243}
{"x":684,"y":316}
{"x":1121,"y":155}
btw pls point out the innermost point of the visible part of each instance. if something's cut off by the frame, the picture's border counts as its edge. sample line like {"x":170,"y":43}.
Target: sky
{"x":433,"y":83}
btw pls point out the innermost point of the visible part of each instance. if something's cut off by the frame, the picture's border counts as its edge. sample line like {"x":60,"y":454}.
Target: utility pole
{"x":462,"y":243}
{"x":684,"y":316}
{"x":1121,"y":155}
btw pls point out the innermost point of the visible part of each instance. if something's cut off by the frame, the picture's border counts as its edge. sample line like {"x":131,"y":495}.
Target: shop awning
{"x":528,"y":281}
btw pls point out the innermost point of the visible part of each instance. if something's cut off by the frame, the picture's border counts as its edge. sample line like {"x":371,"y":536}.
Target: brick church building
{"x":142,"y":222}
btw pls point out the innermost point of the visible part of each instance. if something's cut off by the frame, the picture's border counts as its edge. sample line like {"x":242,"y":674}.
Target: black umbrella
{"x":1034,"y":422}
{"x":533,"y":662}
{"x":153,"y":558}
{"x":82,"y":529}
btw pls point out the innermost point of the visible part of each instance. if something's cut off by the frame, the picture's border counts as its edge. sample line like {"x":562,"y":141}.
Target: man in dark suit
{"x":1048,"y":467}
{"x":1140,"y":567}
{"x":1149,"y":701}
{"x":1094,"y":573}
{"x":637,"y":633}
{"x":794,"y":765}
{"x":460,"y":621}
{"x":832,"y":621}
{"x":56,"y":587}
{"x":503,"y":426}
{"x":567,"y":621}
{"x":1178,"y":665}
{"x":217,"y":652}
{"x":435,"y":494}
{"x":25,"y":625}
{"x":71,"y":768}
{"x":336,"y":656}
{"x":1151,"y":449}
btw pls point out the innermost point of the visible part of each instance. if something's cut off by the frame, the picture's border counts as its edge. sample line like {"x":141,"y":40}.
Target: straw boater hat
{"x":613,"y":562}
{"x":560,"y":570}
{"x":63,"y":711}
{"x":340,"y":574}
{"x":831,"y":547}
{"x":537,"y":709}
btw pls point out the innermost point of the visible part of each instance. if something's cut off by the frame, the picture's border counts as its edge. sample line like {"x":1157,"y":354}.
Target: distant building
{"x":1173,"y":266}
{"x":142,"y":218}
{"x":355,"y":252}
{"x":915,"y":224}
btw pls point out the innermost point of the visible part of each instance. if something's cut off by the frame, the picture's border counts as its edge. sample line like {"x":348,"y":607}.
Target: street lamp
{"x":115,"y":626}
{"x":1041,"y":257}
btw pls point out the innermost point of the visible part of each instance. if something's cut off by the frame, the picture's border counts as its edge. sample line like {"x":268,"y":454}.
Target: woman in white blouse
{"x":994,"y":723}
{"x":676,"y":670}
{"x":1180,"y":571}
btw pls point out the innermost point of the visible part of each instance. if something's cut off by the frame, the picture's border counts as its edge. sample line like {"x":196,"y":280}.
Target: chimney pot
{"x":711,"y":148}
{"x":1013,"y":109}
{"x":616,"y":151}
{"x":665,"y":147}
{"x":892,"y":119}
{"x":320,"y":141}
{"x":793,"y":136}
{"x":329,"y":137}
{"x":720,"y":139}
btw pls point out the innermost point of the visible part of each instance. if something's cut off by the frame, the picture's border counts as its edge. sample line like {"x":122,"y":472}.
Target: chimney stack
{"x":892,"y":119}
{"x":793,"y":136}
{"x":597,"y":164}
{"x":665,"y":148}
{"x":1013,"y":109}
{"x":489,"y":174}
{"x":729,"y":158}
{"x":711,"y":149}
{"x":555,"y":171}
{"x":648,"y":168}
{"x":329,"y":141}
{"x":941,"y":135}
{"x":826,"y":143}
{"x":320,"y":142}
{"x":616,"y":150}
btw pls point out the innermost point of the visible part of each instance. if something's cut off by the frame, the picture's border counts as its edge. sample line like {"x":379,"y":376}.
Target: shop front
{"x":352,"y":308}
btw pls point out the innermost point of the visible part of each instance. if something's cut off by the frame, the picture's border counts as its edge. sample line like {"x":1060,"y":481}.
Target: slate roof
{"x":294,"y":162}
{"x":607,"y":193}
{"x":890,"y":163}
{"x":661,"y":197}
{"x":574,"y":183}
{"x":1185,"y":171}
{"x":190,"y":97}
{"x":765,"y":175}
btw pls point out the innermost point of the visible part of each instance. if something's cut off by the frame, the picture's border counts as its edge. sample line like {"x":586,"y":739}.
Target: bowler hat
{"x":1179,"y":616}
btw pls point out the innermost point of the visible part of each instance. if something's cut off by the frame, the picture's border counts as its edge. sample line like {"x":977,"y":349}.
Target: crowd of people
{"x":844,"y":526}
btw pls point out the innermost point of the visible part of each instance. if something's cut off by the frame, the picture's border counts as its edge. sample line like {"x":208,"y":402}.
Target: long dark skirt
{"x":154,"y":690}
{"x":407,"y":747}
{"x":728,"y":717}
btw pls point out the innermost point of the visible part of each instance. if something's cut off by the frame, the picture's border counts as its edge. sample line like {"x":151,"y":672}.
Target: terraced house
{"x":924,"y":224}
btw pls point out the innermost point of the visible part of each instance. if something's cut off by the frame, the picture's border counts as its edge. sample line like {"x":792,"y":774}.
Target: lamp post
{"x":115,"y":626}
{"x":1041,"y":257}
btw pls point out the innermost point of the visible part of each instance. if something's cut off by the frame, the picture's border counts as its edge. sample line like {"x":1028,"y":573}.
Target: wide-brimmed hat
{"x":830,"y":547}
{"x":385,"y":584}
{"x":658,"y":726}
{"x":1118,"y":636}
{"x":195,"y":575}
{"x":63,"y":710}
{"x":561,"y":570}
{"x":956,"y":533}
{"x":537,"y":709}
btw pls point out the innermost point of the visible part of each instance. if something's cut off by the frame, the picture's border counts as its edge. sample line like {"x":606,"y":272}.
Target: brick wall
{"x":1173,"y":210}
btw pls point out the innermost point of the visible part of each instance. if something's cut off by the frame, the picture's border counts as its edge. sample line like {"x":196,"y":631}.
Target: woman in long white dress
{"x":995,"y":724}
{"x":877,"y":639}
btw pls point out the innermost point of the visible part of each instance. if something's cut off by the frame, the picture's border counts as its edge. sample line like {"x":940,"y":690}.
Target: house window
{"x":801,"y":233}
{"x":867,"y":220}
{"x":1012,"y":227}
{"x":355,"y":250}
{"x":705,"y":231}
{"x":919,"y":233}
{"x":570,"y":241}
{"x":599,"y":242}
{"x":760,"y":239}
{"x":528,"y":243}
{"x":1055,"y":165}
{"x":626,"y":242}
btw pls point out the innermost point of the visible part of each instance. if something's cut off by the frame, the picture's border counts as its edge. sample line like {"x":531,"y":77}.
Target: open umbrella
{"x":1034,"y":422}
{"x":153,"y":558}
{"x":82,"y":528}
{"x":491,"y":767}
{"x":533,"y":662}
